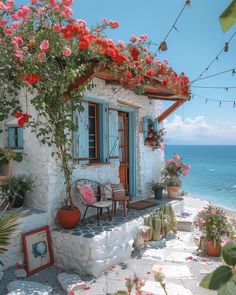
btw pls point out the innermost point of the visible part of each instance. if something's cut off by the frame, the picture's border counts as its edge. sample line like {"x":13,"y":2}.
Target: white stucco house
{"x":108,"y":147}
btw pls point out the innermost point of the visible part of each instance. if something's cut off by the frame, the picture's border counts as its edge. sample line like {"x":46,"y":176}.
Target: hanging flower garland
{"x":155,"y":138}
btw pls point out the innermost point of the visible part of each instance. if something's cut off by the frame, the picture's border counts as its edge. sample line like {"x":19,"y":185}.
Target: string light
{"x":161,"y":47}
{"x":215,"y":87}
{"x":217,"y":74}
{"x":224,"y":49}
{"x":220,"y":101}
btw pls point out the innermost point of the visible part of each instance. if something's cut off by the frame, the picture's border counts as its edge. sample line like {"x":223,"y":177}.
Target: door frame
{"x":132,"y":113}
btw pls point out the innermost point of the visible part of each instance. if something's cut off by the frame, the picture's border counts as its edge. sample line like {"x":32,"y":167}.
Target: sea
{"x":213,"y":172}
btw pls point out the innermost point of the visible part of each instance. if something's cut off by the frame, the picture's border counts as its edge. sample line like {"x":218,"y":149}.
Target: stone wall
{"x":49,"y":183}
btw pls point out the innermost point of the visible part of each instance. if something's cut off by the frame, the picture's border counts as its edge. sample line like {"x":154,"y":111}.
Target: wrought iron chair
{"x":101,"y":203}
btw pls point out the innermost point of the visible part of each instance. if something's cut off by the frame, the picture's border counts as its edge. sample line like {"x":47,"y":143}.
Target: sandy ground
{"x":182,"y":249}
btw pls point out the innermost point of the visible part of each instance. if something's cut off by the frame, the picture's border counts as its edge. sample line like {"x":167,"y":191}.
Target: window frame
{"x":16,"y":138}
{"x":96,"y":135}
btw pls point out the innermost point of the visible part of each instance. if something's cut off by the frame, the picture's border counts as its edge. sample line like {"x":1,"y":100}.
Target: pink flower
{"x":177,"y":158}
{"x":10,"y":2}
{"x":15,"y":16}
{"x":185,"y":173}
{"x":8,"y":31}
{"x":113,"y":24}
{"x":33,"y":2}
{"x":67,"y":52}
{"x":19,"y":54}
{"x":44,"y":45}
{"x":144,"y":37}
{"x":15,"y":25}
{"x":104,"y":19}
{"x":134,"y":38}
{"x":2,"y":22}
{"x":66,"y":11}
{"x":41,"y":56}
{"x":3,"y":6}
{"x":162,"y":148}
{"x":150,"y":72}
{"x":56,"y":28}
{"x":178,"y":165}
{"x":188,"y":167}
{"x":67,"y":2}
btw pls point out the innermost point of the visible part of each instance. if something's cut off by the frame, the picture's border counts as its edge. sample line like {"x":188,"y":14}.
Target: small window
{"x":15,"y":137}
{"x":93,"y":131}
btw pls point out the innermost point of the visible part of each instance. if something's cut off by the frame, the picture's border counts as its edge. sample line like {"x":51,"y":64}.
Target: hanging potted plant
{"x":214,"y":225}
{"x":174,"y":169}
{"x":155,"y":138}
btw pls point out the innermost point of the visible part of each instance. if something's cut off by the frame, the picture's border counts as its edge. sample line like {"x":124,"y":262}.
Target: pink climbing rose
{"x":44,"y":46}
{"x":67,"y":52}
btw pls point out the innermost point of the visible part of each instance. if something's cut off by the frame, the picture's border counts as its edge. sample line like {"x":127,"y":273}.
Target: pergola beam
{"x":170,"y":110}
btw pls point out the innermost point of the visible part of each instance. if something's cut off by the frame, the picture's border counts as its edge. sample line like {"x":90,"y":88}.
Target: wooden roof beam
{"x":170,"y":110}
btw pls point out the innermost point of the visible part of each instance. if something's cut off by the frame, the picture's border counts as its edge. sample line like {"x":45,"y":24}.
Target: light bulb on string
{"x":217,"y":58}
{"x":227,"y":89}
{"x":234,"y":105}
{"x":188,"y":2}
{"x":206,"y":101}
{"x":233,"y":72}
{"x":220,"y":104}
{"x":226,"y":48}
{"x":176,"y":29}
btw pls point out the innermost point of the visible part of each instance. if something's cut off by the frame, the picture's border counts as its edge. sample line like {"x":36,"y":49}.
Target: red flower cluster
{"x":22,"y":118}
{"x":31,"y":78}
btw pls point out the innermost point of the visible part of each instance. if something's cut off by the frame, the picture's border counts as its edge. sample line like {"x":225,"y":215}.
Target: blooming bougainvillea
{"x":52,"y":55}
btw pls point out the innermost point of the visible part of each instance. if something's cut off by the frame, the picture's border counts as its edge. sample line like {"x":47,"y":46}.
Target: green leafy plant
{"x":9,"y":225}
{"x":223,"y":279}
{"x":157,"y":185}
{"x":7,"y":155}
{"x":155,"y":138}
{"x":213,"y":224}
{"x":173,"y":181}
{"x":17,"y":187}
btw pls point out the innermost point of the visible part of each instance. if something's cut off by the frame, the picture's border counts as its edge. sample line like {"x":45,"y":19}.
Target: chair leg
{"x":98,"y":216}
{"x":125,"y":207}
{"x":101,"y":211}
{"x":114,"y":211}
{"x":109,"y":214}
{"x":85,"y":213}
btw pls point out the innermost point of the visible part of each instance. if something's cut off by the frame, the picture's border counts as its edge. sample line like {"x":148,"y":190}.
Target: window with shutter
{"x":113,"y":134}
{"x":147,"y":122}
{"x":15,"y":137}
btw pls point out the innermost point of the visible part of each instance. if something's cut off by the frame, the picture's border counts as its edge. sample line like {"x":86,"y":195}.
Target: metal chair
{"x":101,"y":203}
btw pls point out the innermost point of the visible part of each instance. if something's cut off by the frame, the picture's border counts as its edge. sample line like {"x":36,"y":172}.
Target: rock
{"x":28,"y":288}
{"x":20,"y":273}
{"x":70,"y":282}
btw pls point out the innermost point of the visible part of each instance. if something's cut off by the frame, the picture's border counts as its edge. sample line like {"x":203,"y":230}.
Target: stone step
{"x":185,"y":219}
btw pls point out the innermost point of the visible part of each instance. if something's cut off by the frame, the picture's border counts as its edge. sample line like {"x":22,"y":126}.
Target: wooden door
{"x":123,"y":129}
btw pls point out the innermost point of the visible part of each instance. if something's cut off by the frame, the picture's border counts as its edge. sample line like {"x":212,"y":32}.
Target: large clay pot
{"x":212,"y":249}
{"x":69,"y":218}
{"x":173,"y":192}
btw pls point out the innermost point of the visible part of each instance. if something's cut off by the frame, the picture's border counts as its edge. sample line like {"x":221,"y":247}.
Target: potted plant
{"x":16,"y":188}
{"x":7,"y":156}
{"x":173,"y":185}
{"x":174,"y":169}
{"x":155,"y":138}
{"x":214,"y":225}
{"x":157,"y":188}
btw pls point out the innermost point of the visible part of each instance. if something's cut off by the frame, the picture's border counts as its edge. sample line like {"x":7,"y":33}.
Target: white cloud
{"x":197,"y":131}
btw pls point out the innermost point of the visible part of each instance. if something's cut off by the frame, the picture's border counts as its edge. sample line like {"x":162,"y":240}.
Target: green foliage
{"x":223,"y":279}
{"x":173,"y":181}
{"x":7,"y":155}
{"x":229,"y":253}
{"x":157,"y":185}
{"x":9,"y":225}
{"x":17,"y":186}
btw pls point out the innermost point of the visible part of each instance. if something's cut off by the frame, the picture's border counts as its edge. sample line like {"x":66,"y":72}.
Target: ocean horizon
{"x":213,"y":172}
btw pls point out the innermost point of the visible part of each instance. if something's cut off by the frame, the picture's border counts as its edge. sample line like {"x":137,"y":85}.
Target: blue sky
{"x":198,"y":39}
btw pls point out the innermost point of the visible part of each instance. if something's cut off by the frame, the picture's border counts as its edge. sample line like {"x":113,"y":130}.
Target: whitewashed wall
{"x":49,"y":186}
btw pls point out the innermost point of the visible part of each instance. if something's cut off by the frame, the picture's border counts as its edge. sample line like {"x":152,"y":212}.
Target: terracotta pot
{"x":69,"y":218}
{"x":173,"y":192}
{"x":211,"y":249}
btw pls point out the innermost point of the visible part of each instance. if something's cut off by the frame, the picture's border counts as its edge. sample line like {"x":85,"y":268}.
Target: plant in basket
{"x":214,"y":225}
{"x":155,"y":138}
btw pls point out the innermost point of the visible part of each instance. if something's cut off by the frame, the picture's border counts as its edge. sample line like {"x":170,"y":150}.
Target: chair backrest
{"x":95,"y":185}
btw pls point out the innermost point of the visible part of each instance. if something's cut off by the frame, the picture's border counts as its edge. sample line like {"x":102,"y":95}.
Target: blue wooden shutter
{"x":113,"y":134}
{"x":82,"y":137}
{"x":146,"y":122}
{"x":20,"y":137}
{"x":11,"y":137}
{"x":156,"y":125}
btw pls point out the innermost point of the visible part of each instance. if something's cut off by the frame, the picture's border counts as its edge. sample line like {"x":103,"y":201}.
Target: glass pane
{"x":121,"y":123}
{"x":91,"y":110}
{"x":92,"y":141}
{"x":121,"y":137}
{"x":92,"y":153}
{"x":121,"y":155}
{"x":91,"y":126}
